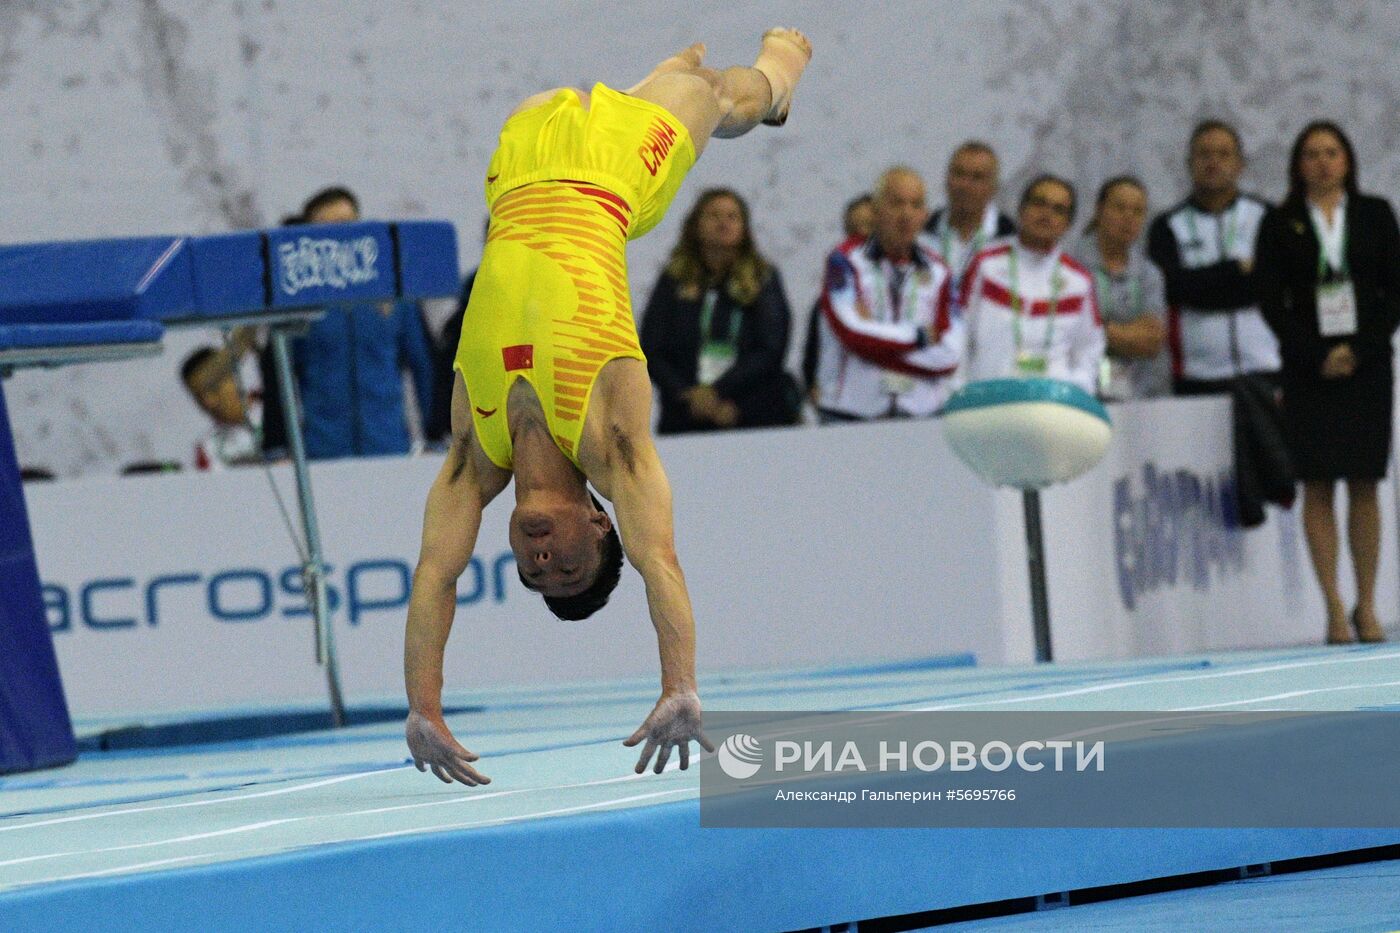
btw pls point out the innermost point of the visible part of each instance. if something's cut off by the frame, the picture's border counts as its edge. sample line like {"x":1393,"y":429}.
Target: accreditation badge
{"x":1030,"y":365}
{"x":715,"y":360}
{"x":1336,"y":309}
{"x":896,"y":383}
{"x":1115,"y":381}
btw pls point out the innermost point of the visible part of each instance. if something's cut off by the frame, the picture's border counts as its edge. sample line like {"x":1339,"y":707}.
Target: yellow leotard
{"x":566,"y":189}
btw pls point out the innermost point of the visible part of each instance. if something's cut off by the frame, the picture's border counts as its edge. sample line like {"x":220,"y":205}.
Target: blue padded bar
{"x":329,"y":264}
{"x":32,"y":336}
{"x":427,"y":259}
{"x":95,"y":280}
{"x":205,"y":278}
{"x":228,"y":274}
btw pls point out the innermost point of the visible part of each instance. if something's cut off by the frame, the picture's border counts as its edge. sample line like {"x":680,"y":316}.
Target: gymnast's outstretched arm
{"x":625,"y":468}
{"x":451,"y":521}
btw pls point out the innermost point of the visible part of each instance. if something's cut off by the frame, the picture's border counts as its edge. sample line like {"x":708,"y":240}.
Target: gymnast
{"x":552,"y":387}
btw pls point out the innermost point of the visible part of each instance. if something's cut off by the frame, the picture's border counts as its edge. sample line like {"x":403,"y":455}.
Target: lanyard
{"x":1322,"y":250}
{"x":1056,"y":283}
{"x":946,"y":243}
{"x":1104,"y":282}
{"x":1227,"y":238}
{"x":707,"y":311}
{"x":907,"y":303}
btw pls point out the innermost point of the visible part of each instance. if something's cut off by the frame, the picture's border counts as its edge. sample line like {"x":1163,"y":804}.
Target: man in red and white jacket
{"x":1030,"y":308}
{"x":890,"y":339}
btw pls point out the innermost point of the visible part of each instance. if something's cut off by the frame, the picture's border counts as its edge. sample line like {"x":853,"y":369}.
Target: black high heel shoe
{"x":1338,"y":631}
{"x":1370,"y":634}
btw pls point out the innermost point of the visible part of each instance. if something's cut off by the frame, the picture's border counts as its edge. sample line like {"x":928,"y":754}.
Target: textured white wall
{"x":187,"y":116}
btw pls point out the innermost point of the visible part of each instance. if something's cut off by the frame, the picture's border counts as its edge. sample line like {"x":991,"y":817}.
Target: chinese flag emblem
{"x":521,"y":356}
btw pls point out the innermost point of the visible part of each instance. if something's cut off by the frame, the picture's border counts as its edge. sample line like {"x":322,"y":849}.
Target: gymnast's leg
{"x":731,"y":102}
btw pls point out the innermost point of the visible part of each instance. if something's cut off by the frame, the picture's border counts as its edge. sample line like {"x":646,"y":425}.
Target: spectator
{"x":349,"y":365}
{"x":856,"y":222}
{"x":1328,"y":272}
{"x":439,"y":421}
{"x":1130,"y":292}
{"x":438,"y":425}
{"x":858,"y":219}
{"x":716,"y":327}
{"x":970,"y":220}
{"x":1205,"y":247}
{"x":890,"y":339}
{"x":1030,"y":308}
{"x":211,"y":376}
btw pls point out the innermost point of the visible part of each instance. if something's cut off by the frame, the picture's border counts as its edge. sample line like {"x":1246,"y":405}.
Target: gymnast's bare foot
{"x":784,"y":55}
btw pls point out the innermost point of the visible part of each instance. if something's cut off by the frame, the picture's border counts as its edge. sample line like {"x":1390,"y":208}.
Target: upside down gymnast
{"x":552,"y":387}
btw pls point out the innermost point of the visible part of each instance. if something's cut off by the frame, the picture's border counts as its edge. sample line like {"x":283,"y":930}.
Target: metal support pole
{"x":1035,"y":560}
{"x":313,"y":571}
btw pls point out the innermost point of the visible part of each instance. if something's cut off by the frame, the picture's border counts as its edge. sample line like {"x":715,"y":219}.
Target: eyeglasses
{"x":1058,"y":207}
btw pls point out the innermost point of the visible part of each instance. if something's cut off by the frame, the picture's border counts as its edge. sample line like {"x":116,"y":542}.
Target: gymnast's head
{"x":567,"y":551}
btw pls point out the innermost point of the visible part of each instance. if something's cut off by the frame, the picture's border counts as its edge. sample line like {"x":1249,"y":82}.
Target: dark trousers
{"x":773,"y":402}
{"x":1184,"y":386}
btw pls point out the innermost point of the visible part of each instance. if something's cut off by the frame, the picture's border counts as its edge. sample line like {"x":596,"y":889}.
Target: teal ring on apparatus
{"x":988,"y":392}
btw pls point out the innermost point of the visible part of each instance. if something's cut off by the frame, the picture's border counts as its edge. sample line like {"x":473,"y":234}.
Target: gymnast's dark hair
{"x":583,"y":605}
{"x":328,"y":196}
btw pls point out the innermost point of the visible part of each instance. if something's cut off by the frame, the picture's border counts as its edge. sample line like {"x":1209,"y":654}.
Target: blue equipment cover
{"x":35,"y":731}
{"x":95,"y":299}
{"x":95,"y":280}
{"x":35,"y":336}
{"x":205,"y":278}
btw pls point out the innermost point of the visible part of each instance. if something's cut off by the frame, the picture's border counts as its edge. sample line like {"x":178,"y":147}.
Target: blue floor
{"x":335,"y":830}
{"x":1361,"y":898}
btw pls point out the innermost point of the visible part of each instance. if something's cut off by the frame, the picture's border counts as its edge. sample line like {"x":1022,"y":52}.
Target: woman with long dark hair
{"x":715,"y":331}
{"x":1327,"y":267}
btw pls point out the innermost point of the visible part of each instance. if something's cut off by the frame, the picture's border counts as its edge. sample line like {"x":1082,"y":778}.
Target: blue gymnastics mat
{"x":337,"y":831}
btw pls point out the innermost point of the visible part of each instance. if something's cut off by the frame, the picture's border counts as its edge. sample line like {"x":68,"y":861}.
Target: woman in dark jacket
{"x":715,"y":331}
{"x":1327,"y":265}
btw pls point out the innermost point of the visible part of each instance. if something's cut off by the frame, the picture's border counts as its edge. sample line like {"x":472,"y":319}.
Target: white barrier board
{"x":799,"y":546}
{"x":1145,"y":557}
{"x":803,"y":546}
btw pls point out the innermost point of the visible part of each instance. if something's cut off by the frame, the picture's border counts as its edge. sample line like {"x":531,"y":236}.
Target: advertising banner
{"x":800,"y":547}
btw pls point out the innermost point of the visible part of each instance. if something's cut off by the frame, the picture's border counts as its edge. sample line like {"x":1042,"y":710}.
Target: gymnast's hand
{"x":433,"y":746}
{"x":674,"y":721}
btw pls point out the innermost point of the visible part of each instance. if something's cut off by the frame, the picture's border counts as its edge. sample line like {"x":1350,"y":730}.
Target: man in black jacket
{"x":1205,"y":249}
